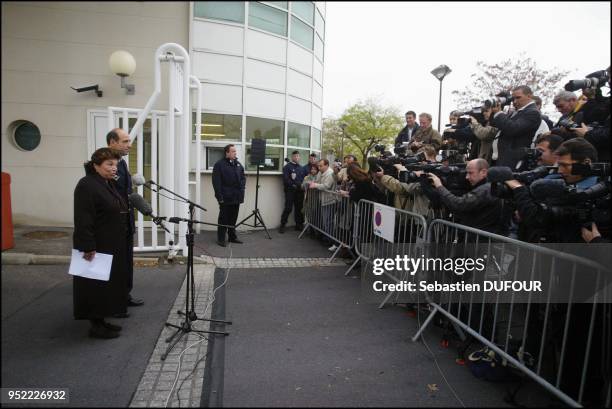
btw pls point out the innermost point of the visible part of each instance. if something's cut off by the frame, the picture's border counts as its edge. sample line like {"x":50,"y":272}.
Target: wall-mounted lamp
{"x":94,"y":88}
{"x":123,"y":64}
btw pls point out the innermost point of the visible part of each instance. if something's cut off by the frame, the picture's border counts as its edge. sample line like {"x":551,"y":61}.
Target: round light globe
{"x":122,"y":63}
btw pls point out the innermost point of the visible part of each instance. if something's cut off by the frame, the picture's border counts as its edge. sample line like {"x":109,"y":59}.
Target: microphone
{"x":139,"y":180}
{"x":143,"y":207}
{"x":543,"y":189}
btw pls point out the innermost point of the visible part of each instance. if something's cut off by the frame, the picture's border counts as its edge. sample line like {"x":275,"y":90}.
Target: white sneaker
{"x":333,"y":248}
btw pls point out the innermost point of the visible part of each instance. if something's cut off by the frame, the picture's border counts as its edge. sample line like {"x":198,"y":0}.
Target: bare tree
{"x":508,"y":74}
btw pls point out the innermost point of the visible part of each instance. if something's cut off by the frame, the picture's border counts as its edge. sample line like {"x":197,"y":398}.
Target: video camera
{"x":563,"y":203}
{"x":452,"y":177}
{"x":594,"y":80}
{"x":498,"y":175}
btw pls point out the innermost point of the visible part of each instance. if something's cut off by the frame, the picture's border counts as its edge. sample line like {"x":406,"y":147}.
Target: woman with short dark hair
{"x":101,"y":226}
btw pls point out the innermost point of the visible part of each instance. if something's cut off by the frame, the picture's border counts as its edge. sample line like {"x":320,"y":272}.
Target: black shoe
{"x":221,"y":243}
{"x":100,"y":331}
{"x":134,"y":302}
{"x":281,"y":229}
{"x":112,"y":327}
{"x":299,"y":227}
{"x":121,"y":315}
{"x":235,"y":241}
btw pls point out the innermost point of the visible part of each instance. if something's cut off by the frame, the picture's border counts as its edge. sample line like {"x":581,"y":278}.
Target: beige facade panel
{"x":76,"y":26}
{"x":316,"y":116}
{"x":317,"y":94}
{"x":163,"y":10}
{"x":46,"y":118}
{"x":318,"y":72}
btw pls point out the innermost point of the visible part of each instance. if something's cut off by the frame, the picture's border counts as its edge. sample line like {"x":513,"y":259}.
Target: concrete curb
{"x":45,"y":259}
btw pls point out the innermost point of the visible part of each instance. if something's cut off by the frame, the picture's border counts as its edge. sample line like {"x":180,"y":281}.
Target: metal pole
{"x":440,"y":105}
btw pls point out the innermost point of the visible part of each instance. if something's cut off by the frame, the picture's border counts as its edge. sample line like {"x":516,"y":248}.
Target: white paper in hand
{"x":98,"y":269}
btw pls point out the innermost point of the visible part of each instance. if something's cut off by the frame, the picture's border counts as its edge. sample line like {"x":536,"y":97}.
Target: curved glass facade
{"x":261,"y":69}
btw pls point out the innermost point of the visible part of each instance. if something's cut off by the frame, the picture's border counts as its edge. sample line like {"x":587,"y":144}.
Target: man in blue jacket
{"x":293,"y":176}
{"x":229,"y":183}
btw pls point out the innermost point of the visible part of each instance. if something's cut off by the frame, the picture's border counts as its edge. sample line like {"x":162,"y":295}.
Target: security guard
{"x":293,"y":176}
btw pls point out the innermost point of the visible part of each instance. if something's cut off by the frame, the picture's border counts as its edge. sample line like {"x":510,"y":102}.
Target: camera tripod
{"x":256,"y":213}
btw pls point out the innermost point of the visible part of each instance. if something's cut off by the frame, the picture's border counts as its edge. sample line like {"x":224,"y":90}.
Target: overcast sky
{"x":388,"y":49}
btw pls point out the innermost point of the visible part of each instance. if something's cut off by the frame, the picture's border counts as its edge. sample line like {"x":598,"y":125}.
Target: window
{"x":301,"y":33}
{"x":281,"y":4}
{"x":271,"y":130}
{"x":303,"y":155}
{"x":304,"y":10}
{"x":316,"y":139}
{"x":273,"y":161}
{"x":26,"y":135}
{"x":214,"y":154}
{"x":219,"y":127}
{"x":220,"y":10}
{"x":298,"y":135}
{"x":268,"y":18}
{"x":320,"y":25}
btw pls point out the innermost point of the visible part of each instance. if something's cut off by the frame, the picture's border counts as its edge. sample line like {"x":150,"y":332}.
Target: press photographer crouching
{"x":558,"y":208}
{"x":477,"y":208}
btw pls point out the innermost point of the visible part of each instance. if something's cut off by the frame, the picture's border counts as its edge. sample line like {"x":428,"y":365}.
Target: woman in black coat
{"x":101,"y":225}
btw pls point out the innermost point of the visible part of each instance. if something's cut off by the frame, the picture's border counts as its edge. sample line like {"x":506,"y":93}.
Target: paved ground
{"x":43,"y":346}
{"x":301,"y":337}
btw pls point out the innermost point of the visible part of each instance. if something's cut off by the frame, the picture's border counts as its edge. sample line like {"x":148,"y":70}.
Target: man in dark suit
{"x":229,"y":183}
{"x":517,"y":129}
{"x":406,"y":134}
{"x":119,"y":140}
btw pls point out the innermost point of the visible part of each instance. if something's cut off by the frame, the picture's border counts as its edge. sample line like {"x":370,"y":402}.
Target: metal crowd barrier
{"x":409,"y":238}
{"x":331,"y":214}
{"x":563,"y":346}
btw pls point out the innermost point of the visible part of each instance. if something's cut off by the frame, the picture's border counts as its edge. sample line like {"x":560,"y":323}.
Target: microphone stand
{"x":190,"y":315}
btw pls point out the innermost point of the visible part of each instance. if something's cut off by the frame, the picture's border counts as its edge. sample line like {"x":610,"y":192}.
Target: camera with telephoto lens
{"x":594,"y":80}
{"x":387,"y":162}
{"x":502,"y":99}
{"x":452,"y":177}
{"x":498,"y":175}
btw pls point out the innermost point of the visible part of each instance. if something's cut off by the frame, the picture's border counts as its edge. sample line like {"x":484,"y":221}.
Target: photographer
{"x":485,"y":134}
{"x":408,"y":196}
{"x":425,"y":134}
{"x":598,"y":136}
{"x":405,"y":135}
{"x":547,"y":145}
{"x":569,"y":106}
{"x":477,"y":208}
{"x":516,"y":130}
{"x":570,"y":152}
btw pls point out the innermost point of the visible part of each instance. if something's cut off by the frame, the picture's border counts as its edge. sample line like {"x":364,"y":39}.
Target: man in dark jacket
{"x":119,"y":140}
{"x":293,"y":176}
{"x":477,"y":208}
{"x":229,"y":183}
{"x":405,"y":135}
{"x":517,"y":129}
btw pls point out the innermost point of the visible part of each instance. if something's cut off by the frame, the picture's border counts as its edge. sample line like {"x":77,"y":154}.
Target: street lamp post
{"x":343,"y":127}
{"x":440,"y":72}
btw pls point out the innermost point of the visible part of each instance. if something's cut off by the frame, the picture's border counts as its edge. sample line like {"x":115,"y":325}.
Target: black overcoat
{"x":100,"y":224}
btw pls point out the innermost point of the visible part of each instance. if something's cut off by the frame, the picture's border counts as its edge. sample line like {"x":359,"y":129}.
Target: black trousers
{"x":294,"y":199}
{"x":130,"y":263}
{"x":228,"y":214}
